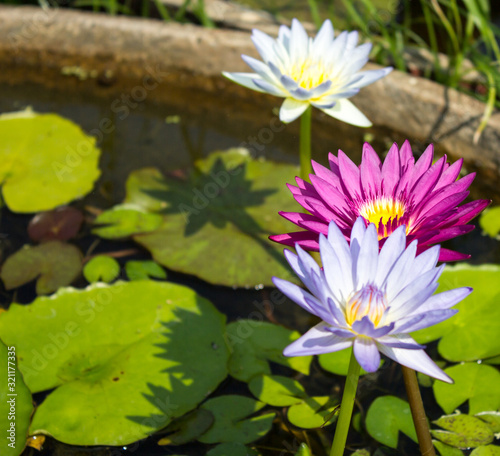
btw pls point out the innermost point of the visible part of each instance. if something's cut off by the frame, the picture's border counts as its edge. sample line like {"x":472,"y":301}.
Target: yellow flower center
{"x":308,"y":74}
{"x":383,"y":210}
{"x":369,"y":301}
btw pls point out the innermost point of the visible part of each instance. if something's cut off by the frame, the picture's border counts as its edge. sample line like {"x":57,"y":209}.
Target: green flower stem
{"x":305,"y":144}
{"x":418,"y":412}
{"x":344,"y":421}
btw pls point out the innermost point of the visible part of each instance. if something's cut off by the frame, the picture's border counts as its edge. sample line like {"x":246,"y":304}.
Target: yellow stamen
{"x":369,"y":301}
{"x":308,"y":74}
{"x":383,"y":210}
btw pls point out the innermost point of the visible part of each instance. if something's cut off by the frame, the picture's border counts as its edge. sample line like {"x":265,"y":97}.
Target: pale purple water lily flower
{"x":423,"y":196}
{"x":370,"y":299}
{"x":322,"y":72}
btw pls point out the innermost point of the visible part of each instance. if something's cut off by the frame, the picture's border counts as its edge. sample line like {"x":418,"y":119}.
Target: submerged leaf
{"x":122,"y":360}
{"x":61,"y":224}
{"x":101,"y":268}
{"x":46,"y":161}
{"x":54,"y":263}
{"x":232,"y":449}
{"x":188,"y":427}
{"x":231,"y":420}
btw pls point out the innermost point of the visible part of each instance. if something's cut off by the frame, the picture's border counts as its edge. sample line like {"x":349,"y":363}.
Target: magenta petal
{"x":468,"y":211}
{"x":334,"y":164}
{"x":326,"y":175}
{"x":391,"y":170}
{"x":427,"y":181}
{"x":329,"y":194}
{"x":306,"y":239}
{"x":449,"y":233}
{"x":450,"y":174}
{"x":350,"y":175}
{"x":406,"y":154}
{"x":422,"y":164}
{"x":450,"y":255}
{"x":371,"y":176}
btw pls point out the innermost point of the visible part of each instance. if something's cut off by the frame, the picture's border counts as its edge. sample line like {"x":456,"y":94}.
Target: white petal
{"x":366,"y":353}
{"x":317,"y":341}
{"x":291,"y":109}
{"x":323,"y":39}
{"x":370,"y":76}
{"x":444,"y":300}
{"x":299,"y":42}
{"x":264,"y":45}
{"x":392,"y":249}
{"x":341,"y":249}
{"x":260,"y":68}
{"x":334,"y":271}
{"x":401,"y":270}
{"x":244,"y":79}
{"x":368,"y":258}
{"x":345,"y":111}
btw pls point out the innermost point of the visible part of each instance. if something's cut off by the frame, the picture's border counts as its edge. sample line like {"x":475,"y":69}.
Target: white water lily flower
{"x":322,"y":72}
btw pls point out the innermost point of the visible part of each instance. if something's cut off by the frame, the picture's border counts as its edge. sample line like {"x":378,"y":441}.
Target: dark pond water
{"x":164,"y":137}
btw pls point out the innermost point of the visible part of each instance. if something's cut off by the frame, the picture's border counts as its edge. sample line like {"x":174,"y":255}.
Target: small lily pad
{"x":477,"y":383}
{"x":188,"y":427}
{"x":254,"y":343}
{"x":139,"y":270}
{"x":313,"y":412}
{"x":490,"y":221}
{"x":488,"y":450}
{"x":231,"y":422}
{"x":101,"y":268}
{"x":472,"y":333}
{"x":232,"y":449}
{"x":60,"y":224}
{"x":447,"y":450}
{"x":118,"y":371}
{"x":386,"y":417}
{"x":338,"y":362}
{"x":277,"y":390}
{"x":46,"y":161}
{"x":216,"y":218}
{"x":15,"y":404}
{"x":54,"y":264}
{"x":463,"y":431}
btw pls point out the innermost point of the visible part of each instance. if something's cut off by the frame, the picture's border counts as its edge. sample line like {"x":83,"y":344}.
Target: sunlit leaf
{"x":477,"y":383}
{"x":488,"y":450}
{"x":253,"y":344}
{"x":101,"y":268}
{"x":462,"y":431}
{"x":277,"y":390}
{"x":138,"y":270}
{"x":54,"y":264}
{"x":447,"y":450}
{"x":15,"y":404}
{"x":490,"y":221}
{"x":231,"y":420}
{"x":386,"y":417}
{"x":313,"y":412}
{"x":46,"y":161}
{"x":123,"y":360}
{"x":492,"y":418}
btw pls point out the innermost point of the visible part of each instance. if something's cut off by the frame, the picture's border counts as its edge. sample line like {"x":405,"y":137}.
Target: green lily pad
{"x":188,"y":428}
{"x":477,"y":383}
{"x":254,"y":343}
{"x":305,"y":451}
{"x":125,"y":220}
{"x":139,"y":270}
{"x":447,"y":450}
{"x":338,"y":362}
{"x":216,"y":218}
{"x":122,"y":359}
{"x":46,"y":161}
{"x":232,"y":449}
{"x":54,"y":264}
{"x":101,"y":268}
{"x":473,"y":332}
{"x":313,"y":412}
{"x":488,"y":450}
{"x":277,"y":390}
{"x":386,"y":417}
{"x":490,"y":221}
{"x":15,"y":404}
{"x":463,"y":431}
{"x":231,"y":422}
{"x":492,"y":418}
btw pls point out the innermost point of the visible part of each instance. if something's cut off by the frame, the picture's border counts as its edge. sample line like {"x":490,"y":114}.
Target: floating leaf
{"x":101,"y":268}
{"x":477,"y":383}
{"x":473,"y":332}
{"x":446,"y":450}
{"x":277,"y":390}
{"x":138,"y":270}
{"x":231,"y":422}
{"x":188,"y":428}
{"x":232,"y":449}
{"x":386,"y":417}
{"x":490,"y":221}
{"x":312,"y":412}
{"x":217,"y":218}
{"x":15,"y":404}
{"x":492,"y":418}
{"x":46,"y":161}
{"x":463,"y":431}
{"x":123,"y":360}
{"x":488,"y":450}
{"x":254,"y":343}
{"x":125,"y":220}
{"x":61,"y":224}
{"x":54,"y":263}
{"x":338,"y":362}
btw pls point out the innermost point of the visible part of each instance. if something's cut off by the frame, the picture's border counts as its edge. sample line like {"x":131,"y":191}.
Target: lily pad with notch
{"x":188,"y":427}
{"x":144,"y":269}
{"x":101,"y":268}
{"x":277,"y":390}
{"x":313,"y":412}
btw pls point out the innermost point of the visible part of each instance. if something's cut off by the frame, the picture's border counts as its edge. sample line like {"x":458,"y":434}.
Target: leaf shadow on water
{"x":193,"y":369}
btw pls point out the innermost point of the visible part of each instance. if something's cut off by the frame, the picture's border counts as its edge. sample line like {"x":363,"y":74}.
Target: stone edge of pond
{"x":106,"y":55}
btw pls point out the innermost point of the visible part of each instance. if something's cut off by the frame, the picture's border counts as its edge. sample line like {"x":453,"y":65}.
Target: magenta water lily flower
{"x":370,"y":299}
{"x":423,"y":196}
{"x":323,"y":72}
